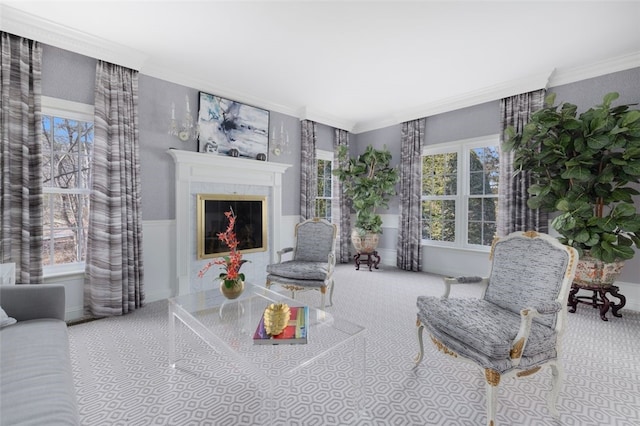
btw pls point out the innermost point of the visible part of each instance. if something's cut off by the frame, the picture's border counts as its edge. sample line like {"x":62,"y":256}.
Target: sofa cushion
{"x":36,"y":375}
{"x":5,"y":319}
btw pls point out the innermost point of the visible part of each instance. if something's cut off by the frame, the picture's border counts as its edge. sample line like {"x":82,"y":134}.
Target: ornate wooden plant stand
{"x":598,"y":299}
{"x":372,"y":260}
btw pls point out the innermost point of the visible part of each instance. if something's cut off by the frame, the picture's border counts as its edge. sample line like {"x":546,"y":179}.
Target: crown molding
{"x":23,"y":24}
{"x":307,"y":113}
{"x":607,"y":66}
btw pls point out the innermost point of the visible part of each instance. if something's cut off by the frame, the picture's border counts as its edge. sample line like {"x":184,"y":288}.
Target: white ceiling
{"x":351,"y":64}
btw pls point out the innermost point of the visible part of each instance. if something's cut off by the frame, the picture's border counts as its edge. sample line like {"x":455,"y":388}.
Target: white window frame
{"x":326,"y":156}
{"x":73,"y":111}
{"x":462,"y":148}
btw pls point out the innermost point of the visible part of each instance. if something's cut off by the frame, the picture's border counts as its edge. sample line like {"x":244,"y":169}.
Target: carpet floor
{"x":122,"y":373}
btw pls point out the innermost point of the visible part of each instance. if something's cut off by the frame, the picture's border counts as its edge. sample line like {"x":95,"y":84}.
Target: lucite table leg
{"x":172,"y":337}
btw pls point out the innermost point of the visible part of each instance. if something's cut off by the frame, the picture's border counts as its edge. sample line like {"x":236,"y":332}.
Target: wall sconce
{"x":185,"y":130}
{"x":280,"y":143}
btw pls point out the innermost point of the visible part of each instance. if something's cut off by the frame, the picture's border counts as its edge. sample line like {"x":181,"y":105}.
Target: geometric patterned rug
{"x":122,"y":373}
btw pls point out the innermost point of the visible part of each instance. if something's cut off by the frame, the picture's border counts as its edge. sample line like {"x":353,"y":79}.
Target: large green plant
{"x":585,"y":168}
{"x":369,"y":181}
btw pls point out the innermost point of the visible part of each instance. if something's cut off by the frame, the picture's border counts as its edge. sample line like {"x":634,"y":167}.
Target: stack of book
{"x":294,"y":333}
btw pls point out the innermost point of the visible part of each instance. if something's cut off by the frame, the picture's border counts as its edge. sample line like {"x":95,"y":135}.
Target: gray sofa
{"x":36,"y":380}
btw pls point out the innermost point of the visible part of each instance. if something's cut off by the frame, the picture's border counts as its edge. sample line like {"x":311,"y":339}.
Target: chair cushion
{"x":482,"y":326}
{"x":300,"y":270}
{"x":526,"y":273}
{"x":317,"y":284}
{"x":314,"y":241}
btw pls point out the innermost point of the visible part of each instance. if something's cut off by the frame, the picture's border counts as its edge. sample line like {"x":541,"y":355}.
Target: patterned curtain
{"x":340,"y":207}
{"x":513,"y":212}
{"x":308,"y":170}
{"x":21,"y":200}
{"x":114,"y":271}
{"x":409,"y":233}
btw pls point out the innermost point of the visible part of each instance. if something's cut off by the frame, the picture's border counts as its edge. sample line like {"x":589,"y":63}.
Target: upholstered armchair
{"x":516,"y":327}
{"x":312,"y":263}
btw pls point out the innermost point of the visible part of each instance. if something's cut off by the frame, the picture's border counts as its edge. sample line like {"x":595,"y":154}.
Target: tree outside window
{"x":67,"y":148}
{"x":325,"y":185}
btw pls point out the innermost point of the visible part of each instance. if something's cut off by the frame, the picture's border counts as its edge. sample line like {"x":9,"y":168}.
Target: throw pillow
{"x":5,"y":319}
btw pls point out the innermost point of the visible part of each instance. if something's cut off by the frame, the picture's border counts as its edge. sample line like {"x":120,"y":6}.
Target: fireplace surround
{"x":201,"y":173}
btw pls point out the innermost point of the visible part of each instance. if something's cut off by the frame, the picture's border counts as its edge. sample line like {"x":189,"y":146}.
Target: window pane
{"x":439,"y":174}
{"x":65,"y":246}
{"x":481,"y":224}
{"x":483,"y":170}
{"x":475,"y":209}
{"x":438,"y":220}
{"x":325,"y":189}
{"x":323,"y":208}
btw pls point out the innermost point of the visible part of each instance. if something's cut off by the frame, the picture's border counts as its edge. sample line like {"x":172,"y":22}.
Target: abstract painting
{"x":231,"y":128}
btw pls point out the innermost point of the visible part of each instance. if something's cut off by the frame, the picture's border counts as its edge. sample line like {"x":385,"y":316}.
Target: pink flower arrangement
{"x":233,"y":261}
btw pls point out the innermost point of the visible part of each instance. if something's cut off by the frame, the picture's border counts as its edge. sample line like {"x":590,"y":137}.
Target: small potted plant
{"x":585,"y":168}
{"x":369,"y":182}
{"x":231,"y":279}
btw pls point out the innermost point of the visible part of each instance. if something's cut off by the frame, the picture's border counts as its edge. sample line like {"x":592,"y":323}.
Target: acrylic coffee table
{"x":227,"y":326}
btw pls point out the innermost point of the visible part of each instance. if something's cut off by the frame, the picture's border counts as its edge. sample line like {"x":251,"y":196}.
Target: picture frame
{"x":231,"y":128}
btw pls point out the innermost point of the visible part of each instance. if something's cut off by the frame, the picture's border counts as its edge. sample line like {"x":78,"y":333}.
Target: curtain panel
{"x":409,"y":232}
{"x":513,"y":212}
{"x":340,"y":208}
{"x":21,"y":202}
{"x":114,"y":269}
{"x":308,"y":170}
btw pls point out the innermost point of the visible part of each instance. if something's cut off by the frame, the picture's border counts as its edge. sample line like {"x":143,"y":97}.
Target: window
{"x":324,"y":161}
{"x":67,"y":152}
{"x":460,"y":193}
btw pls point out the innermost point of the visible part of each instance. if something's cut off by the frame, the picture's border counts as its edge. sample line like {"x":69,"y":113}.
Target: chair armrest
{"x":449,"y":281}
{"x":517,"y":346}
{"x":33,"y":301}
{"x":282,"y":252}
{"x":332,"y":262}
{"x":549,"y":308}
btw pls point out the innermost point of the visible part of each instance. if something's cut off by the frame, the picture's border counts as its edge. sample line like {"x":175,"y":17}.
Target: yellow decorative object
{"x":525,"y":373}
{"x":276,"y":318}
{"x":516,"y":350}
{"x":492,"y":376}
{"x":442,"y":348}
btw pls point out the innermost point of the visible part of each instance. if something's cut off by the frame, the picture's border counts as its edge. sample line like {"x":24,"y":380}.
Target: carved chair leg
{"x":418,"y":358}
{"x":557,"y":377}
{"x":493,"y":379}
{"x":323,"y":291}
{"x":331,"y":293}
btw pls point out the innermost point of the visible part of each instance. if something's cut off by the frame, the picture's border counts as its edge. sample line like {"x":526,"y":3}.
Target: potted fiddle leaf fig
{"x":369,"y":181}
{"x":586,"y":169}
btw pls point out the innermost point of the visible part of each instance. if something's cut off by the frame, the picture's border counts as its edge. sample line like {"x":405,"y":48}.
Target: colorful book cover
{"x":294,"y":332}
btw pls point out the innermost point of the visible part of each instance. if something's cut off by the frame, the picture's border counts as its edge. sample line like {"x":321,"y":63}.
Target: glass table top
{"x":228,"y":326}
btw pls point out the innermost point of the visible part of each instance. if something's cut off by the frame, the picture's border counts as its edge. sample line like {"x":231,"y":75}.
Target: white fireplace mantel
{"x":193,"y":168}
